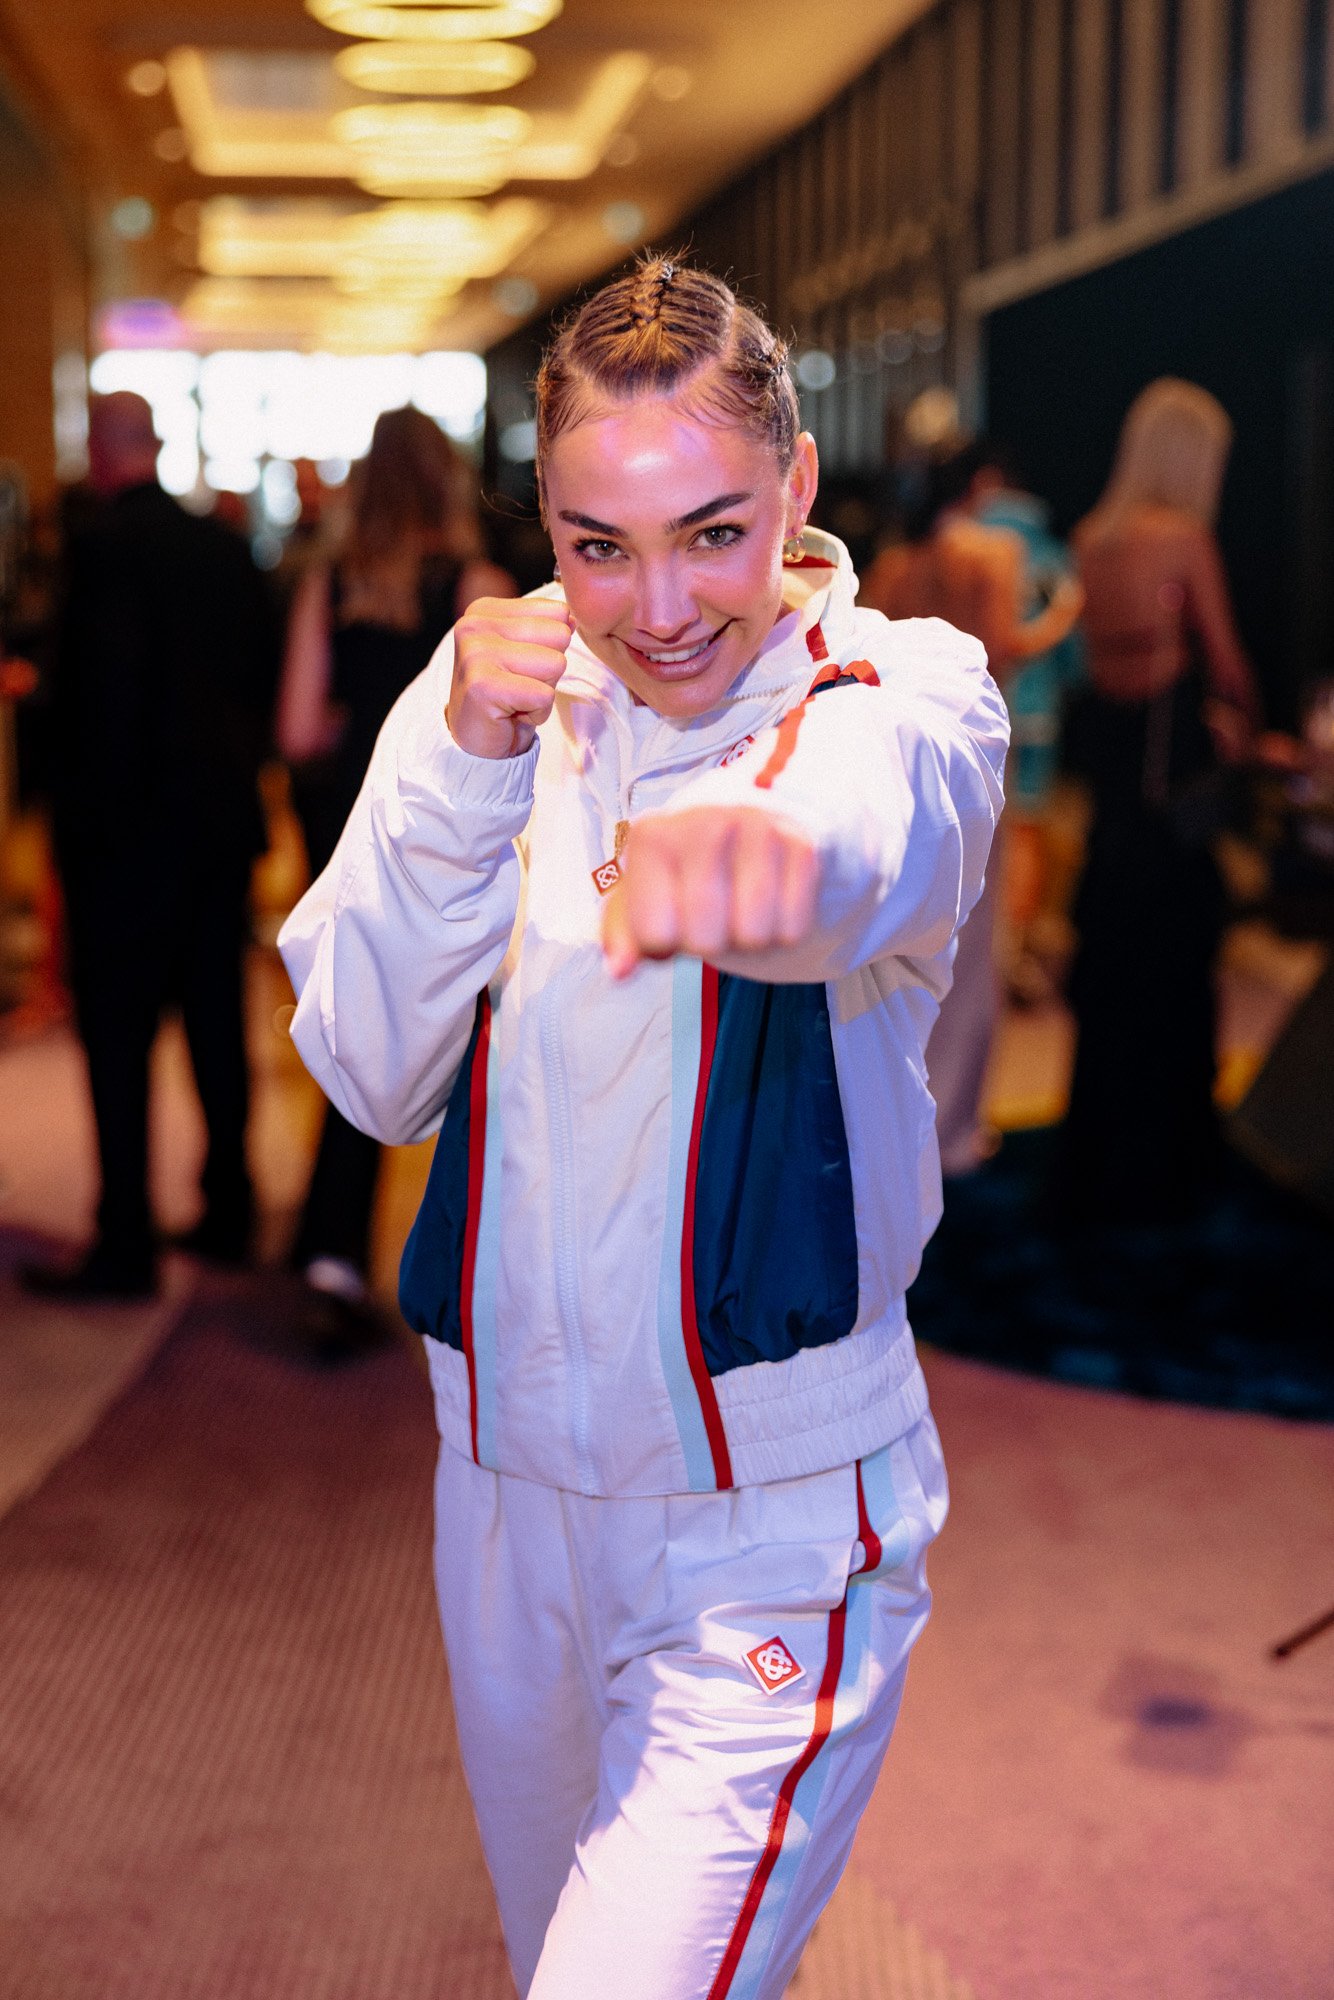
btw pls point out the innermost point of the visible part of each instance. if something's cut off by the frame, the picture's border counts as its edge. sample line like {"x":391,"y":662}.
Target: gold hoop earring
{"x":794,"y":548}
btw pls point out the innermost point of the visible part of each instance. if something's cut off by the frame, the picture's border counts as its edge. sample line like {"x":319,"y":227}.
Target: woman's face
{"x":669,"y":534}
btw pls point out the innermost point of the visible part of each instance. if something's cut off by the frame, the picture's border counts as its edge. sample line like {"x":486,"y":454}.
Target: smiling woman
{"x":647,"y":907}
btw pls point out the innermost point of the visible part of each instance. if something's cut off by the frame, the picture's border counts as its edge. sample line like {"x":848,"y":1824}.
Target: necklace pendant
{"x":608,"y":875}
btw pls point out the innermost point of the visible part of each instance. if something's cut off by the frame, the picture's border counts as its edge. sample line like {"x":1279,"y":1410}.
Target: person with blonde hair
{"x":1172,"y":702}
{"x":362,"y":627}
{"x":646,"y":909}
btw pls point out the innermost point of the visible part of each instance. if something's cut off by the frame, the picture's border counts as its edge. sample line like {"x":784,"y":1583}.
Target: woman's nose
{"x":664,"y":607}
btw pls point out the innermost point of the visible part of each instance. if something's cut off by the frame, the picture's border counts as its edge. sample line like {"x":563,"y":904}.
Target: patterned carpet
{"x":227,"y":1768}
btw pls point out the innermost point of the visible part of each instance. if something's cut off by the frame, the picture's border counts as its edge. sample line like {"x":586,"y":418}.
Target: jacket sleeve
{"x":899,"y":787}
{"x":390,"y":948}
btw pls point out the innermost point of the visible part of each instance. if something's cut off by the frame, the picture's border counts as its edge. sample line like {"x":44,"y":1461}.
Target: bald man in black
{"x":166,"y":666}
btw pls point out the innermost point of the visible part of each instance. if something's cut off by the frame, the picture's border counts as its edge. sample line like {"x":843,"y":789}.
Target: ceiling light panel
{"x":418,"y":243}
{"x":434,"y":69}
{"x":409,"y":21}
{"x":293,"y":116}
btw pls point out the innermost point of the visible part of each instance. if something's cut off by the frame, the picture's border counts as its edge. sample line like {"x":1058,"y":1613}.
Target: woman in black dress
{"x":1172,"y":701}
{"x":362,"y":627}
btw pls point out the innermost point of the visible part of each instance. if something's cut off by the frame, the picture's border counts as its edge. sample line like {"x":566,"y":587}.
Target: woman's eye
{"x":596,"y":551}
{"x":721,"y":534}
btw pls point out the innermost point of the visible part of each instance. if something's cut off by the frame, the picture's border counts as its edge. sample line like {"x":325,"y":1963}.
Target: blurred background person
{"x":165,"y":663}
{"x":977,"y":576}
{"x":1171,"y":703}
{"x":363,"y":625}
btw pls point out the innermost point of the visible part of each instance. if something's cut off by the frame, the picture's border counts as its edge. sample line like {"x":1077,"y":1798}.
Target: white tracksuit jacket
{"x":670,"y":1221}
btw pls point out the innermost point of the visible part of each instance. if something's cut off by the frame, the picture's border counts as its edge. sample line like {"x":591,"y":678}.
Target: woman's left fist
{"x":711,"y":880}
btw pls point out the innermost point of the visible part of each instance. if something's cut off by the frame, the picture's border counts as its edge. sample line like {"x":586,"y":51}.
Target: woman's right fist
{"x":509,"y":655}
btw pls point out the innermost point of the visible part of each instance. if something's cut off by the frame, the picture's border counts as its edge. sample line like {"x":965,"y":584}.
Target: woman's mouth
{"x":676,"y":663}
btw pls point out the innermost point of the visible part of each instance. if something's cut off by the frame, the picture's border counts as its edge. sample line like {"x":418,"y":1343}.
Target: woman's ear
{"x":802,"y":481}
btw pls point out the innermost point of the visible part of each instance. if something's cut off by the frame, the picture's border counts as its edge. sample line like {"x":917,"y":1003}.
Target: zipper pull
{"x":622,"y":835}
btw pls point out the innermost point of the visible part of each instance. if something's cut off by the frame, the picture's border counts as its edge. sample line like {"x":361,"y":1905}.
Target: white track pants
{"x":662,"y":1819}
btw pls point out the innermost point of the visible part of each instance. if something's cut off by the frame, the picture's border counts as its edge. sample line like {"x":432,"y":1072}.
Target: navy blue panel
{"x":430,"y":1277}
{"x":775,"y":1235}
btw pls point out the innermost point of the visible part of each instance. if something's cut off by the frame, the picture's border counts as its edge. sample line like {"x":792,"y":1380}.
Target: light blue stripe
{"x":687,"y":982}
{"x":487,"y":1270}
{"x":883,"y":1504}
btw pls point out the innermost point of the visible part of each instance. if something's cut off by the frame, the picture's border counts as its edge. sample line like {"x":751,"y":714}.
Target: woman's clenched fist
{"x":712,"y":880}
{"x":509,"y":655}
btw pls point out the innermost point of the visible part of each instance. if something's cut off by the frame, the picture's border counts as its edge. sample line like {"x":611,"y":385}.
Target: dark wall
{"x":1244,"y":305}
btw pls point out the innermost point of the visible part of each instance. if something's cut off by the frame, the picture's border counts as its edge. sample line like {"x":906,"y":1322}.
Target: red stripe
{"x":764,"y":1868}
{"x":866,"y":1534}
{"x":864,"y":672}
{"x":476,"y":1163}
{"x":708,"y":1401}
{"x":790,"y":727}
{"x":815,"y":643}
{"x":788,"y":730}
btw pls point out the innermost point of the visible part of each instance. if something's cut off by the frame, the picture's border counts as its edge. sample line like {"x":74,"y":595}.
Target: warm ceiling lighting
{"x":426,"y":245}
{"x":413,"y":21}
{"x":415,"y":147}
{"x":433,"y":69}
{"x":253,"y":116}
{"x":252,"y":138}
{"x":568,"y":148}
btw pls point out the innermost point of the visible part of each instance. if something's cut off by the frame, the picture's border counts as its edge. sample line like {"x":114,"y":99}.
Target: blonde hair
{"x":1172,"y":452}
{"x":664,"y":328}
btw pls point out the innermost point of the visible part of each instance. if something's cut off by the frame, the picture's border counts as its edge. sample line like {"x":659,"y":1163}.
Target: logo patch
{"x":773,"y":1666}
{"x":606,"y":877}
{"x":737,"y":750}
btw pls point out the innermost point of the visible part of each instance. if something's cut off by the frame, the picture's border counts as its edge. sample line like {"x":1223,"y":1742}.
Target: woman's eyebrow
{"x":690,"y":520}
{"x":698,"y":514}
{"x":594,"y":527}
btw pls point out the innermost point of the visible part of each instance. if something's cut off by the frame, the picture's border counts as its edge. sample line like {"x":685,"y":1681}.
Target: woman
{"x":362,"y":628}
{"x":1172,"y":699}
{"x":977,"y":577}
{"x":651,"y":894}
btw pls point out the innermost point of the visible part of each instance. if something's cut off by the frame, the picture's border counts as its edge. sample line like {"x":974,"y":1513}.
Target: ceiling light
{"x":413,"y":21}
{"x":411,"y":147}
{"x":146,"y":79}
{"x":414,"y":129}
{"x":426,"y":69}
{"x":422,"y":243}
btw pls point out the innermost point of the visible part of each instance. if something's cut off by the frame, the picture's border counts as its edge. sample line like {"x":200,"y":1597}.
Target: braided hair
{"x":664,"y":329}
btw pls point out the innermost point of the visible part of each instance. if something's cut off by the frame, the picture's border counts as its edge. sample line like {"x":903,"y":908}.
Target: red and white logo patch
{"x":606,"y":877}
{"x":737,"y":750}
{"x":773,"y":1666}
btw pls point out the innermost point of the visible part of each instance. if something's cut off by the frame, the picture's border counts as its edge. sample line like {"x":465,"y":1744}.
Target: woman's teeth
{"x":678,"y":658}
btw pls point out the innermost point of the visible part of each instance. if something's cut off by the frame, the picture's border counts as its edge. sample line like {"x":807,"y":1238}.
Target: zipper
{"x":567,"y":1287}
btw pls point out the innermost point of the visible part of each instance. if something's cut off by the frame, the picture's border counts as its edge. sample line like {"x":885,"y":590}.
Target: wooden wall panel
{"x":1141,"y":102}
{"x":1044,"y":137}
{"x":1089,"y":66}
{"x":1004,"y":90}
{"x":1273,"y":111}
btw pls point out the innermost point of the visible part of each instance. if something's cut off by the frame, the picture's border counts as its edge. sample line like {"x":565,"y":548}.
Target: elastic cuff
{"x":465,"y":780}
